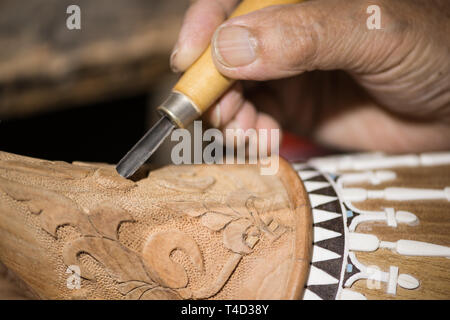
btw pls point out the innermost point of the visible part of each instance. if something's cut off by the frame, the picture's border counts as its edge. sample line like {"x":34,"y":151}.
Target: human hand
{"x":326,"y":74}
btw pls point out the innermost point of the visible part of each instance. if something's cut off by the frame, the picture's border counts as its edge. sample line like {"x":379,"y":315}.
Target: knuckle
{"x":301,"y":36}
{"x":291,"y":38}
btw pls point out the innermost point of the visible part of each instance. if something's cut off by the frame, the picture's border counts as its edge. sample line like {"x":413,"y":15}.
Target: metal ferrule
{"x":180,"y":109}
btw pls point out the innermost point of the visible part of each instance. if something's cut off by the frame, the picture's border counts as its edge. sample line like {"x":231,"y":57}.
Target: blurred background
{"x":88,"y":94}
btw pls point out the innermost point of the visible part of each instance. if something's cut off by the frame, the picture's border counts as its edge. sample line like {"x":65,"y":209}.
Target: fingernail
{"x":216,"y":117}
{"x":172,"y":60}
{"x":234,"y":46}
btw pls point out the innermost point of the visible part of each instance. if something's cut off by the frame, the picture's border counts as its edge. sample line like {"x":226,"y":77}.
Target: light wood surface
{"x":202,"y":83}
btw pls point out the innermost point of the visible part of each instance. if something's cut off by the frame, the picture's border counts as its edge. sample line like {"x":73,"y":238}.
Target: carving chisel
{"x":199,"y":87}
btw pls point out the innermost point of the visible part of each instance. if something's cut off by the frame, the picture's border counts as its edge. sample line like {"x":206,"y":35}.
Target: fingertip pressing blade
{"x":145,"y":147}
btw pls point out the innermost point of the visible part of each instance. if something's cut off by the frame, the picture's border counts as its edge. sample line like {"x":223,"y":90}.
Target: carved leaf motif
{"x":215,"y":221}
{"x":237,"y":201}
{"x":156,"y":256}
{"x":106,"y":218}
{"x":121,"y":263}
{"x":149,"y":292}
{"x":54,"y":210}
{"x":233,"y":236}
{"x":126,"y":287}
{"x":220,"y":280}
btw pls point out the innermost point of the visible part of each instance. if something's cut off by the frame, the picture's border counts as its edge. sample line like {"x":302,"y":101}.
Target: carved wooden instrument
{"x":199,"y":87}
{"x":80,"y":231}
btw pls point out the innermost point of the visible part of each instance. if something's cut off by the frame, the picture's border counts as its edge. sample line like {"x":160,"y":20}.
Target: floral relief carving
{"x":155,"y":277}
{"x":241,"y":222}
{"x":241,"y":217}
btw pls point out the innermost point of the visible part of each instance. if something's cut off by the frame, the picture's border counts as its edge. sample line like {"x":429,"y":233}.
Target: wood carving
{"x":348,"y":227}
{"x":192,"y":232}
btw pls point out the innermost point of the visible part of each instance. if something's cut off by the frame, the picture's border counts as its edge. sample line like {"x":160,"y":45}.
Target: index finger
{"x":200,"y":22}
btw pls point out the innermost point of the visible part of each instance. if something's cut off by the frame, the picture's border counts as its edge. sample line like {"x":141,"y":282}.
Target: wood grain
{"x":304,"y":238}
{"x":434,"y":227}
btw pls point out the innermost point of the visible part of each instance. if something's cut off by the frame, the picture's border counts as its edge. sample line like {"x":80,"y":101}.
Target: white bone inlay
{"x":320,"y":277}
{"x":368,"y":165}
{"x":363,"y":242}
{"x":370,"y":161}
{"x":315,"y":185}
{"x":374,"y":273}
{"x":324,"y":234}
{"x":369,"y":242}
{"x":392,"y":282}
{"x":348,"y":294}
{"x":322,"y":215}
{"x":371,"y":216}
{"x":395,"y":194}
{"x":390,"y":217}
{"x":321,"y":254}
{"x":435,"y":158}
{"x":318,"y":199}
{"x":407,"y":281}
{"x":307,"y":174}
{"x":309,"y":295}
{"x":374,"y":177}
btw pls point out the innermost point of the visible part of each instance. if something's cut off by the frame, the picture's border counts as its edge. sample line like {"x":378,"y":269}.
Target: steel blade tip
{"x":145,"y":147}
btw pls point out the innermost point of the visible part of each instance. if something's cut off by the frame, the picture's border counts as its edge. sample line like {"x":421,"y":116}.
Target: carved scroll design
{"x":241,"y":221}
{"x":156,"y":255}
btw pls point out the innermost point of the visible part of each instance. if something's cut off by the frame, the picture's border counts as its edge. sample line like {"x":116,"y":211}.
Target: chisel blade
{"x":145,"y":147}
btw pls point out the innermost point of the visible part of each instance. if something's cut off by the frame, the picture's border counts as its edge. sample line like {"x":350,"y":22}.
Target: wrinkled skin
{"x":329,"y":77}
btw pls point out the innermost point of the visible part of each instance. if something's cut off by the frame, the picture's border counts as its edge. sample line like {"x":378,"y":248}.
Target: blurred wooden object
{"x":123,"y":48}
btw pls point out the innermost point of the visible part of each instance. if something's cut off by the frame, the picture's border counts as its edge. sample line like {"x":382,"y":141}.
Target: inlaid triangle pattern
{"x":329,"y":242}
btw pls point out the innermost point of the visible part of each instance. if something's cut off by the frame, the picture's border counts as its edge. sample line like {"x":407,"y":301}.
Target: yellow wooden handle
{"x":202,"y":83}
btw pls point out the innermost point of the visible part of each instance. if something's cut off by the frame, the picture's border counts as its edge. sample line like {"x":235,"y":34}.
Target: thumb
{"x":282,"y":41}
